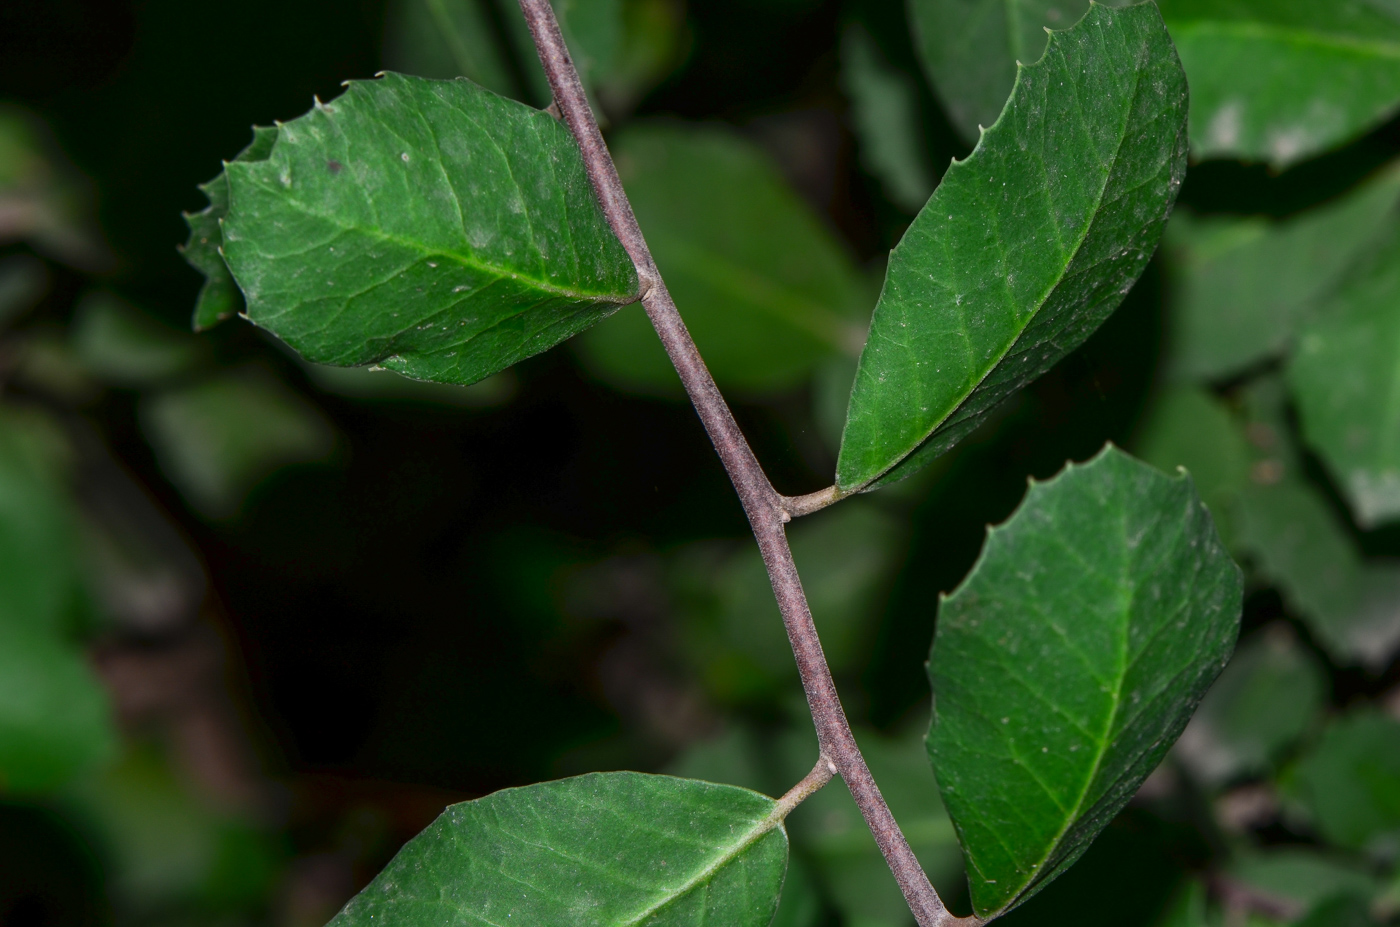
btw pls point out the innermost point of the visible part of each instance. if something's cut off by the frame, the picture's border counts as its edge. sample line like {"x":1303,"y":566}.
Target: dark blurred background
{"x":466,"y":596}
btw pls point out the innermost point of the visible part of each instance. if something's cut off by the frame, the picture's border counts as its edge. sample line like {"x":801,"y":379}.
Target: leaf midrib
{"x":1246,"y":29}
{"x":465,"y":260}
{"x":759,"y":830}
{"x":1049,"y":291}
{"x":1126,"y":596}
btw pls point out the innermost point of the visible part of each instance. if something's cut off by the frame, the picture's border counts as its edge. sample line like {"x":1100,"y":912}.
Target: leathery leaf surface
{"x":1026,"y":246}
{"x":614,"y":849}
{"x":1069,"y":661}
{"x":429,"y":226}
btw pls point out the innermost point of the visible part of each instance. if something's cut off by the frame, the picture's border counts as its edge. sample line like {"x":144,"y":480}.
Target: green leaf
{"x":1345,"y":910}
{"x":602,"y":849}
{"x":1302,"y":876}
{"x":1187,"y":427}
{"x":168,"y":845}
{"x":1350,"y":782}
{"x":217,"y":439}
{"x":1343,"y":374}
{"x":1279,"y":80}
{"x":1067,"y":663}
{"x":118,"y":343}
{"x":430,"y":226}
{"x":885,"y":116}
{"x":219,"y":298}
{"x":765,"y":289}
{"x":1297,"y":542}
{"x":1188,"y":908}
{"x":55,"y":722}
{"x":970,"y":49}
{"x":1026,"y":246}
{"x":447,"y":38}
{"x":1271,"y":80}
{"x":1241,"y":286}
{"x":1266,"y":699}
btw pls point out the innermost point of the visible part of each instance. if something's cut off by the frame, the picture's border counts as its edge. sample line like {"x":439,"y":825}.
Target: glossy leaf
{"x":1297,"y":542}
{"x":1240,"y":287}
{"x":885,"y":117}
{"x":217,"y":439}
{"x":1069,"y":660}
{"x":765,"y":289}
{"x":1026,"y":246}
{"x":1279,"y":80}
{"x":603,"y":849}
{"x":1268,"y":697}
{"x":429,"y":226}
{"x":1343,"y":374}
{"x":219,"y":298}
{"x":1350,"y":782}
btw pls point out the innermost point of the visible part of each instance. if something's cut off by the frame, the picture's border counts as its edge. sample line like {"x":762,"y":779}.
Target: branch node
{"x":797,"y":506}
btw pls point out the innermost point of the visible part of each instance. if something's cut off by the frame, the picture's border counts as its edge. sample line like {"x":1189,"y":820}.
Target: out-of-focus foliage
{"x":372,"y":638}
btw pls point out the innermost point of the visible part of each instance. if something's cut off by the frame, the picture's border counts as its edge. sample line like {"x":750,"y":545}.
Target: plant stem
{"x":811,"y":783}
{"x":762,"y":504}
{"x":797,"y":506}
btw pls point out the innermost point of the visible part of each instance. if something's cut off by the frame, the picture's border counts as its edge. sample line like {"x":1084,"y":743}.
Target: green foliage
{"x":1242,"y":286}
{"x":494,"y":236}
{"x":1350,"y":782}
{"x":1026,"y":247}
{"x":885,"y":116}
{"x":972,"y":48}
{"x":444,"y":39}
{"x":734,"y":631}
{"x":55,"y":721}
{"x":1298,"y":543}
{"x":1067,"y":663}
{"x":1301,"y":876}
{"x":168,"y":845}
{"x":1279,"y":80}
{"x":121,"y":346}
{"x":216,"y":439}
{"x":1271,"y":80}
{"x":1187,"y":427}
{"x":1270,"y":695}
{"x":768,"y":292}
{"x":1342,"y":374}
{"x":605,"y":849}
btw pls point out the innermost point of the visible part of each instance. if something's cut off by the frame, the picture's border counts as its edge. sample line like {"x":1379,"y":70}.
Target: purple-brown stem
{"x":767,"y":510}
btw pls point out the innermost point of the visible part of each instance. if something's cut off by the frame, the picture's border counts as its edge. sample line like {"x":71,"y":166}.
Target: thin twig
{"x":811,"y":783}
{"x":797,"y":506}
{"x":762,"y":503}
